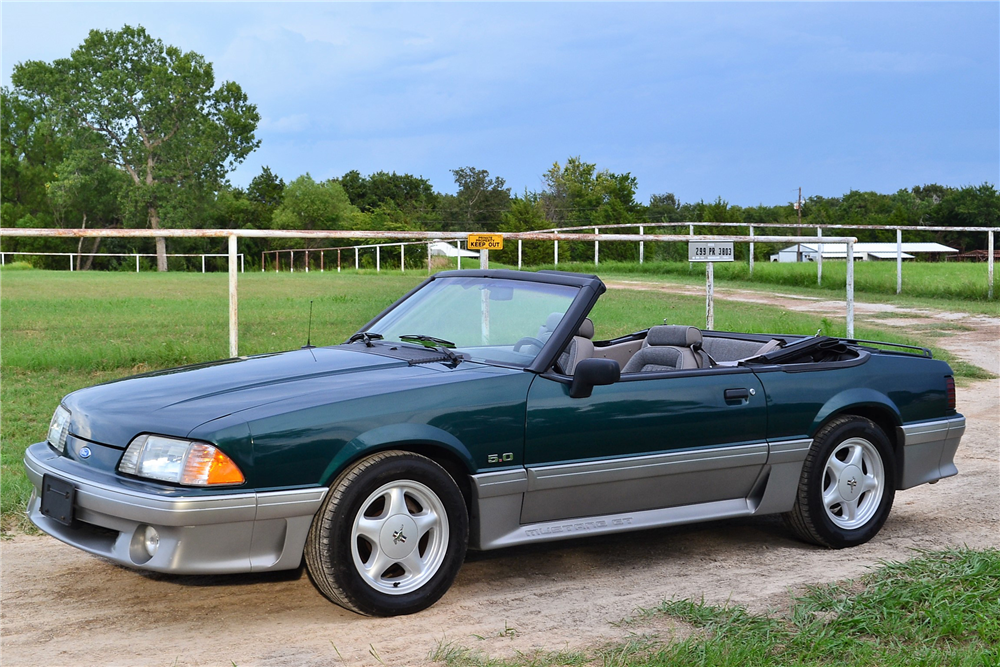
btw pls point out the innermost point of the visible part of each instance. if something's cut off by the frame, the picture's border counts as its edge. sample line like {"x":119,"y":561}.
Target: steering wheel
{"x":528,"y":340}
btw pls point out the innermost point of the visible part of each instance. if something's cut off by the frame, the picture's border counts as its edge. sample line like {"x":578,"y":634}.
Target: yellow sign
{"x":485,"y":242}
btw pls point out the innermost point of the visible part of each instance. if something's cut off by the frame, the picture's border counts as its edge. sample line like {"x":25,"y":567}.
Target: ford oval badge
{"x":85,"y":452}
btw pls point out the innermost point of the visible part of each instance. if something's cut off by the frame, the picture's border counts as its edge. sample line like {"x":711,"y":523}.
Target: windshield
{"x":487,"y":319}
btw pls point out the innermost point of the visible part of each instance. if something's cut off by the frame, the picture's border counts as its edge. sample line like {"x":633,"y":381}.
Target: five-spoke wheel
{"x":400,"y":537}
{"x":390,"y":537}
{"x":846,"y":489}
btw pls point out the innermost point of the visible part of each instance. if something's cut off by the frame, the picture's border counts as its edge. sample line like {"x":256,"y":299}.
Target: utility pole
{"x":798,"y":207}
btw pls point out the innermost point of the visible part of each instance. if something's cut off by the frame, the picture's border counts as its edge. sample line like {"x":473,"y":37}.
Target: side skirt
{"x":498,"y":497}
{"x":548,"y":531}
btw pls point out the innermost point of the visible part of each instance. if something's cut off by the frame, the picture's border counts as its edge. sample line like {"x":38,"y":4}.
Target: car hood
{"x":175,"y":401}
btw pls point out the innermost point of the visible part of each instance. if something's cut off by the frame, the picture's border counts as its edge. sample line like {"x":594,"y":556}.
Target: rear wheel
{"x":390,"y":536}
{"x":846,"y":488}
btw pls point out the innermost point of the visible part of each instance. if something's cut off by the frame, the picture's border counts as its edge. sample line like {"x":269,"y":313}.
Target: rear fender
{"x":396,"y":436}
{"x":850,"y":400}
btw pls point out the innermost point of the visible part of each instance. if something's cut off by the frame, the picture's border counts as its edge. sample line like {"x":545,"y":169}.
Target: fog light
{"x":151,"y":541}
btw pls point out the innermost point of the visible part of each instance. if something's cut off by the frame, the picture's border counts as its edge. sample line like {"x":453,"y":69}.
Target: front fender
{"x":396,"y":435}
{"x":855,"y":398}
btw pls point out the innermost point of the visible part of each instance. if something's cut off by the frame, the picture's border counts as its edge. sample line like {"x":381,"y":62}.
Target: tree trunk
{"x":79,"y":246}
{"x":161,"y":243}
{"x":90,"y":258}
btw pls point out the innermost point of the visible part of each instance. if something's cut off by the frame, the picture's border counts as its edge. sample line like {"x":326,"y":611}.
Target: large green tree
{"x":307,"y":204}
{"x":479,"y":204}
{"x":157,"y":111}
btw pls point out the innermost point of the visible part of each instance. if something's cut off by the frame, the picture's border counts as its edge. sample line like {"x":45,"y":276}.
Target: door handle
{"x":737,"y":394}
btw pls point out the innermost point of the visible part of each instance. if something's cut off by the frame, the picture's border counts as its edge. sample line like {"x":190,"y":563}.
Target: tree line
{"x":130,"y":132}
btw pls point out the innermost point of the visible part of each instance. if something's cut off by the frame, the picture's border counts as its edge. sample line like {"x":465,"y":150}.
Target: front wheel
{"x":390,"y":536}
{"x":846,"y":488}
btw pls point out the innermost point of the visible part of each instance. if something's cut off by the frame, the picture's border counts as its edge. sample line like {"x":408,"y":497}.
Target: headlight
{"x":179,"y":461}
{"x":59,"y":429}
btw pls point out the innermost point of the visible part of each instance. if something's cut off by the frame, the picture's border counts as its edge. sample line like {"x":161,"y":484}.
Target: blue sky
{"x":746,"y":101}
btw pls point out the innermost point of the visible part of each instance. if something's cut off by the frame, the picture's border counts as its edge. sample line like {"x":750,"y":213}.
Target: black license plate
{"x":57,"y":499}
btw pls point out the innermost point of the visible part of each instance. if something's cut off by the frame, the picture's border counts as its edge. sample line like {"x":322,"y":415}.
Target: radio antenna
{"x":309,"y":330}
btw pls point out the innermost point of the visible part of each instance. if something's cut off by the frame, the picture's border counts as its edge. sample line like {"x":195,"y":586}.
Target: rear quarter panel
{"x":800,"y":399}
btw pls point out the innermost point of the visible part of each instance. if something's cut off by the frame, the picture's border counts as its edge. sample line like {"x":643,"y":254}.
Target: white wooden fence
{"x":137,"y":255}
{"x":234,"y":234}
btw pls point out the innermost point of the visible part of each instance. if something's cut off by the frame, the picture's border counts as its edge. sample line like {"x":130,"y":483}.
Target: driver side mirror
{"x":590,"y":373}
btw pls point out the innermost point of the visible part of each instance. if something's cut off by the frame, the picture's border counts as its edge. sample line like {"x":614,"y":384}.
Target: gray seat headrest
{"x":674,"y":334}
{"x":552,"y":321}
{"x":586,"y":329}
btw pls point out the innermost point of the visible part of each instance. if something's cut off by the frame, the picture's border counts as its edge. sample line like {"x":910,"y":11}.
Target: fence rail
{"x":233,"y":235}
{"x":794,"y":225}
{"x":557,"y":234}
{"x":137,"y":255}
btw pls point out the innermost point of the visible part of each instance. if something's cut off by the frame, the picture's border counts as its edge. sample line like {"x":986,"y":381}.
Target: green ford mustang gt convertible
{"x":479,"y":412}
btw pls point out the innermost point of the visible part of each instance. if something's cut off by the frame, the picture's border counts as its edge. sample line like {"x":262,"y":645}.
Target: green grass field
{"x":62,"y":331}
{"x":941,"y":608}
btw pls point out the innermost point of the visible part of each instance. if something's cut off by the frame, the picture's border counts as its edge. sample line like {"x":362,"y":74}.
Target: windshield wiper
{"x":427,"y":341}
{"x":366,"y":337}
{"x":437,"y":344}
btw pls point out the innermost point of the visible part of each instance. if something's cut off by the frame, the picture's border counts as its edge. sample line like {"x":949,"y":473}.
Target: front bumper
{"x":248,"y":531}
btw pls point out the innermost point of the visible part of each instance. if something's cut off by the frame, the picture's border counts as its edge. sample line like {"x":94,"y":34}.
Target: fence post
{"x":338,"y":260}
{"x":596,"y":242}
{"x":428,"y":259}
{"x":322,"y":258}
{"x":555,"y":250}
{"x":402,"y":259}
{"x":458,"y":247}
{"x":291,"y":261}
{"x":137,"y":262}
{"x":691,"y":232}
{"x":751,"y":250}
{"x":989,"y":264}
{"x":519,"y":254}
{"x":642,"y":244}
{"x":241,"y":263}
{"x":378,"y":258}
{"x":71,"y":262}
{"x":203,"y":264}
{"x":357,"y":263}
{"x":899,"y":260}
{"x":262,"y":262}
{"x":709,"y":295}
{"x":233,"y":318}
{"x":307,"y":261}
{"x":819,"y":258}
{"x":484,"y":296}
{"x":850,"y":289}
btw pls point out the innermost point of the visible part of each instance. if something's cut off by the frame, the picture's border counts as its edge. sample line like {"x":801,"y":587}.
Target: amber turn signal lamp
{"x":206,"y":465}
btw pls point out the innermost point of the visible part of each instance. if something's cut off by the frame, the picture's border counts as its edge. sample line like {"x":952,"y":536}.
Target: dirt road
{"x":63,"y":607}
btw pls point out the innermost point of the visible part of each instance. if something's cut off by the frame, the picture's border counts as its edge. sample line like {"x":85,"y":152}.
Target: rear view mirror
{"x":591,"y":373}
{"x":501,"y":293}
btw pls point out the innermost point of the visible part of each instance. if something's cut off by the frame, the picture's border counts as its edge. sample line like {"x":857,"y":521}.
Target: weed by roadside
{"x":940,"y":608}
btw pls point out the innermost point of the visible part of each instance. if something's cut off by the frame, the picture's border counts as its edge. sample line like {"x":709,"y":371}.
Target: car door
{"x":648,"y":441}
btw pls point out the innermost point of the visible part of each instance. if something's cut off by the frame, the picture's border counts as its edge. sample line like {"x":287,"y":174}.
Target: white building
{"x":862,"y":251}
{"x":443,"y":248}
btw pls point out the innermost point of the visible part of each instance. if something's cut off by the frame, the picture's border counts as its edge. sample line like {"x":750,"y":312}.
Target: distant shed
{"x":862,"y":251}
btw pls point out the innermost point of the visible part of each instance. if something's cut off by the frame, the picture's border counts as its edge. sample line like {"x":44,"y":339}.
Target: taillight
{"x":949,"y":382}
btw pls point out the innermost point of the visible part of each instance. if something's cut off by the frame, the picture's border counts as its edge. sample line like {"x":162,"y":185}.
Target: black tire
{"x":830,"y":522}
{"x":335,"y":552}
